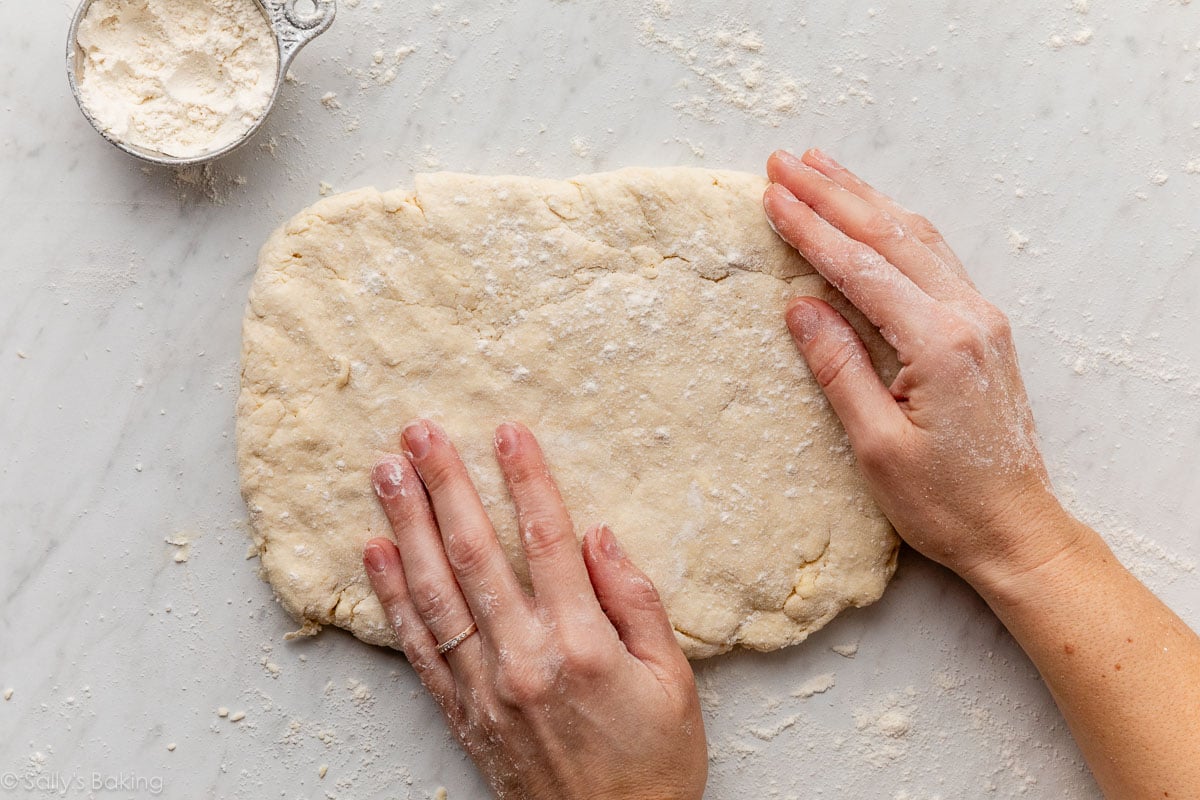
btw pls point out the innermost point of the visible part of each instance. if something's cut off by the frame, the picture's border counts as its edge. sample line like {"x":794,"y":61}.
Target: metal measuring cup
{"x":293,"y":30}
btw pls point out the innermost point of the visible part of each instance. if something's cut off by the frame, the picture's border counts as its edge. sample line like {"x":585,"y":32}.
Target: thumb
{"x":629,"y":600}
{"x":839,"y":361}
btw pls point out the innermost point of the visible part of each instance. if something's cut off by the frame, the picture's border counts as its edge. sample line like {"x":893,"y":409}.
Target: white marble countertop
{"x":1057,"y":145}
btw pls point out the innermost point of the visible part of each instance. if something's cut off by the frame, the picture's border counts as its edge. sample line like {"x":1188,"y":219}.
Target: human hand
{"x":579,"y":691}
{"x":949,"y":449}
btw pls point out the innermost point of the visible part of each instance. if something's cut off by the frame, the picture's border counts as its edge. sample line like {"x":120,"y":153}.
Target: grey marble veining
{"x":1058,"y":150}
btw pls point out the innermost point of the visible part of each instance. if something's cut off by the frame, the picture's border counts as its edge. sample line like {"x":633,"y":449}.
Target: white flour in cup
{"x":179,"y":77}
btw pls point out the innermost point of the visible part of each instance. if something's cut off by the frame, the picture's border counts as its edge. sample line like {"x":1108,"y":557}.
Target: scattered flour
{"x":359,"y":692}
{"x":893,"y":723}
{"x":977,"y":718}
{"x":848,"y":650}
{"x":818,"y":684}
{"x":729,"y":67}
{"x":1080,"y":37}
{"x":1017,"y":241}
{"x":182,"y":545}
{"x":206,"y":181}
{"x":891,"y":718}
{"x":884,"y":726}
{"x":1149,"y":561}
{"x":767,"y":734}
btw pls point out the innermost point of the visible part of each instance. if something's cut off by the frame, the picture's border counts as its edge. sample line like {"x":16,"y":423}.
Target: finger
{"x":386,"y":574}
{"x":840,"y":363}
{"x":867,"y":223}
{"x":885,"y":295}
{"x":431,"y":587}
{"x":630,"y":602}
{"x":921,"y":227}
{"x":556,"y":568}
{"x":470,"y":543}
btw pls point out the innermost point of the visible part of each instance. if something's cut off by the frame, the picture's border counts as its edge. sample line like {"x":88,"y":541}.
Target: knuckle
{"x":641,"y":593}
{"x":524,"y":468}
{"x":543,"y":536}
{"x":964,"y":338}
{"x":390,"y":593}
{"x":431,"y":602}
{"x":469,"y":550}
{"x":441,"y":471}
{"x":518,"y":688}
{"x":995,"y":323}
{"x":581,"y":655}
{"x":882,"y":227}
{"x":923,"y":229}
{"x":831,"y":368}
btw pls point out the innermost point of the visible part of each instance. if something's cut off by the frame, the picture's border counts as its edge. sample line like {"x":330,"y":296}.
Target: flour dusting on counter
{"x":818,"y":684}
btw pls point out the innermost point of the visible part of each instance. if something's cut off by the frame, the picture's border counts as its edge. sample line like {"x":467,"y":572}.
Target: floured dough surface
{"x":633,"y":319}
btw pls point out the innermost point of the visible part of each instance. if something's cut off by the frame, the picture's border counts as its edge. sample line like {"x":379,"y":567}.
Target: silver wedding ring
{"x":450,"y":644}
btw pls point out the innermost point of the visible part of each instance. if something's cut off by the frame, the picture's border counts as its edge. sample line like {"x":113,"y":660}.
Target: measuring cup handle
{"x":295,"y":31}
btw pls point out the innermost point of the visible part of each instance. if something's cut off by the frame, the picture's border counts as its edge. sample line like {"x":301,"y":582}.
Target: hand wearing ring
{"x":582,"y":685}
{"x":450,"y":644}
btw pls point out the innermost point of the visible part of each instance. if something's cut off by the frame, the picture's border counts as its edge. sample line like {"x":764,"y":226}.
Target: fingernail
{"x":374,"y":558}
{"x":388,"y":479}
{"x":822,"y":157}
{"x":789,"y":159}
{"x":609,"y":545}
{"x":802,"y":319}
{"x":416,"y":439}
{"x":783,"y":193}
{"x":506,"y":439}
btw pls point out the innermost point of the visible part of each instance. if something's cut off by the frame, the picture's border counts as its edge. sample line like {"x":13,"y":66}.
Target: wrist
{"x":1047,"y":549}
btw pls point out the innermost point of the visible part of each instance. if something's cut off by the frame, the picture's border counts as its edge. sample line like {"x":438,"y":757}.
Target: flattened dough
{"x":633,"y":319}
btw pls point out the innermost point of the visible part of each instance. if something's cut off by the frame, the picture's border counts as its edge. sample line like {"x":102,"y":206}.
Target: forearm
{"x":1124,"y":669}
